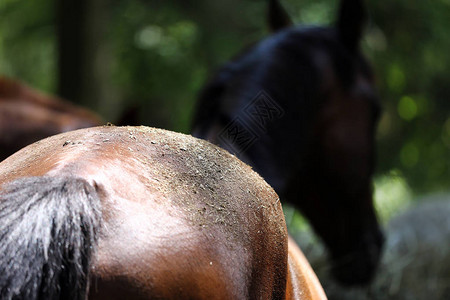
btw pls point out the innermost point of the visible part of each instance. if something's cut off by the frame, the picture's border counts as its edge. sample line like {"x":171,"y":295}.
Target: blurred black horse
{"x":301,"y":108}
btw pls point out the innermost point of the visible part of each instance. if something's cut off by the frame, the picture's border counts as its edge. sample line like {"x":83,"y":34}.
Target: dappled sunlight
{"x":170,"y":42}
{"x":409,"y":155}
{"x":375,"y":39}
{"x":396,"y":78}
{"x":407,"y":108}
{"x":162,"y":53}
{"x":294,"y":219}
{"x":317,"y":13}
{"x":158,"y":55}
{"x":391,"y":195}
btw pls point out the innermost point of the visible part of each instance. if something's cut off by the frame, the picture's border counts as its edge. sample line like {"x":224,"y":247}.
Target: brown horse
{"x":142,"y":213}
{"x":301,"y":108}
{"x":27,"y":116}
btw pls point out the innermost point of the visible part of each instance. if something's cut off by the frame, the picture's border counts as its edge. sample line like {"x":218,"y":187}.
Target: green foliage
{"x":164,"y":52}
{"x":392,"y":195}
{"x":27,"y":42}
{"x":412,"y":69}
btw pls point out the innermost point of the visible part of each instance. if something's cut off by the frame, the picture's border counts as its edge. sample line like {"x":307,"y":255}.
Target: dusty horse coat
{"x":148,"y":214}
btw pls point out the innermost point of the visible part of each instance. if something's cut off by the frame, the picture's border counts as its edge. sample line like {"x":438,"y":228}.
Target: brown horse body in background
{"x":142,"y":213}
{"x":27,"y":116}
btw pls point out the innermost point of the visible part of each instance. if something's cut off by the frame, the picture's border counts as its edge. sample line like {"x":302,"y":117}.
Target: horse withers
{"x":301,"y":108}
{"x":142,"y":213}
{"x":27,"y":116}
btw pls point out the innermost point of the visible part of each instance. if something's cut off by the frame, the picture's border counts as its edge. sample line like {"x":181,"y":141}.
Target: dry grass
{"x":416,"y":259}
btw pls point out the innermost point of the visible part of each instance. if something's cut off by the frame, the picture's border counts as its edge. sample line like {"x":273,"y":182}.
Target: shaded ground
{"x":416,"y":259}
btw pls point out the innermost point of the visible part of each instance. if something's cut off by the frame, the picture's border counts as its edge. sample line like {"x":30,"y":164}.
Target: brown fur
{"x":182,"y":219}
{"x":27,"y":116}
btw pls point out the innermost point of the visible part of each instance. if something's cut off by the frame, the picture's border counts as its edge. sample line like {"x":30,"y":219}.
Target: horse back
{"x":181,"y":218}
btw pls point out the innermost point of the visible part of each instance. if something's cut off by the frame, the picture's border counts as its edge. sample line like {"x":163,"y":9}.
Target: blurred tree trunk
{"x":85,"y":57}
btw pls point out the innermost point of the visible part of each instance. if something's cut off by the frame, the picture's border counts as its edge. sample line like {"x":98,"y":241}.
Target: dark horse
{"x":300,"y":107}
{"x":142,"y":213}
{"x":27,"y":116}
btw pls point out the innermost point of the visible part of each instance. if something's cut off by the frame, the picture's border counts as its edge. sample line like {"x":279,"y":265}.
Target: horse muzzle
{"x":358,"y":265}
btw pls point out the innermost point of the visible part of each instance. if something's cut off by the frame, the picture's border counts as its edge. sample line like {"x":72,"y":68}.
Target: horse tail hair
{"x":277,"y":16}
{"x":48,"y":233}
{"x":350,"y":24}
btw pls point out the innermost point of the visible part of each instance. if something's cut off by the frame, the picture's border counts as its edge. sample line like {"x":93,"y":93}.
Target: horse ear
{"x":351,"y":21}
{"x":277,"y":16}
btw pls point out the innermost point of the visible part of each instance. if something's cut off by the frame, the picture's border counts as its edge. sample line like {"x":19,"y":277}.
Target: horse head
{"x":301,"y":108}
